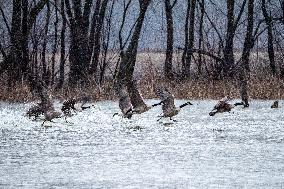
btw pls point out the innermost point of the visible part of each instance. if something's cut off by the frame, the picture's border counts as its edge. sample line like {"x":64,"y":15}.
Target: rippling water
{"x":244,"y":148}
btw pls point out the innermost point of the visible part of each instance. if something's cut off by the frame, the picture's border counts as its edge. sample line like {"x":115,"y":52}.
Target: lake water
{"x":241,"y":149}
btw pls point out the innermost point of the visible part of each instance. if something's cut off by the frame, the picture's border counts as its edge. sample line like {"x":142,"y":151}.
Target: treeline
{"x":73,"y":42}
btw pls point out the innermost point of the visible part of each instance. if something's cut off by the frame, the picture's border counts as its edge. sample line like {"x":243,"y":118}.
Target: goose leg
{"x":160,"y":118}
{"x":173,"y":119}
{"x":65,"y":118}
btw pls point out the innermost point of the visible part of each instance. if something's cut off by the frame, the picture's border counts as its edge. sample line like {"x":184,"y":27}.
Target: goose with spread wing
{"x":168,"y":104}
{"x":137,"y":101}
{"x":45,"y":107}
{"x":224,"y":106}
{"x":69,"y":105}
{"x":124,"y":101}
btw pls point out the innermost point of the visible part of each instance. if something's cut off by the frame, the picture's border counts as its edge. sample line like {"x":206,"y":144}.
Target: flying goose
{"x":38,"y":88}
{"x":124,"y":100}
{"x":168,"y":105}
{"x":139,"y":106}
{"x":50,"y":113}
{"x":69,"y":105}
{"x":275,"y":104}
{"x":45,"y":106}
{"x":36,"y":110}
{"x":224,"y":106}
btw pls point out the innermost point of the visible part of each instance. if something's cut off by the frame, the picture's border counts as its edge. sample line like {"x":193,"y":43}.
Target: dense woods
{"x":71,"y":44}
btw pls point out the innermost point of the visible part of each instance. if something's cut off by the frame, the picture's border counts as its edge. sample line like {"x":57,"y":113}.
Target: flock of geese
{"x":130,"y":102}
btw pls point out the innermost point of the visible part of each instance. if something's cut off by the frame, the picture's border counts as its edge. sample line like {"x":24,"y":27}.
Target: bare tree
{"x":270,"y":48}
{"x":200,"y":32}
{"x":128,"y":59}
{"x":248,"y":45}
{"x":54,"y":51}
{"x":16,"y":61}
{"x":44,"y":63}
{"x":62,"y":47}
{"x":84,"y":44}
{"x":168,"y":70}
{"x":186,"y":64}
{"x":232,"y":24}
{"x":96,"y":36}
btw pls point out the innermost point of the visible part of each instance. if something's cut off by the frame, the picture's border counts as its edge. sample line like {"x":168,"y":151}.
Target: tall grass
{"x":148,"y":71}
{"x":259,"y":88}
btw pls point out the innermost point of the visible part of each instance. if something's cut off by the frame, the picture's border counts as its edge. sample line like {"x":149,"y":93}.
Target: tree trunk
{"x":14,"y":58}
{"x":187,"y":63}
{"x":248,"y":45}
{"x":270,"y":48}
{"x":54,"y":51}
{"x":97,"y":37}
{"x":106,"y":41}
{"x":228,"y":51}
{"x":126,"y":67}
{"x":79,"y":39}
{"x":45,"y":68}
{"x":185,"y":49}
{"x":62,"y":48}
{"x":200,"y":40}
{"x":168,"y":70}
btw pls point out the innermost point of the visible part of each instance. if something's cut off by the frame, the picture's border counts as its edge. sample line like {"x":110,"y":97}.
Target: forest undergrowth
{"x":260,"y":87}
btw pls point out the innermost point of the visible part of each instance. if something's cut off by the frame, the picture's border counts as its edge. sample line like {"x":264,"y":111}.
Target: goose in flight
{"x":69,"y":105}
{"x":45,"y":107}
{"x":137,"y":101}
{"x":50,"y":113}
{"x":224,"y":106}
{"x":124,"y":101}
{"x":168,"y":105}
{"x":35,"y":111}
{"x":39,"y":88}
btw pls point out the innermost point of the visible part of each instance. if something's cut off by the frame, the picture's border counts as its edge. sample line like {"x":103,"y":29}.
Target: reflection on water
{"x":244,"y":149}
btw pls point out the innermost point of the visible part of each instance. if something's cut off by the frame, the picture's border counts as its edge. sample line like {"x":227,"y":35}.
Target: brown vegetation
{"x":268,"y":87}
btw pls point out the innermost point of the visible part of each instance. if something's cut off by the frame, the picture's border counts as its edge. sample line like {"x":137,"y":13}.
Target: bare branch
{"x":5,"y":20}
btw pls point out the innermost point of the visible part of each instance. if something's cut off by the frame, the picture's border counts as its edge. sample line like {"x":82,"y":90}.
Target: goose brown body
{"x":168,"y":103}
{"x":223,"y":106}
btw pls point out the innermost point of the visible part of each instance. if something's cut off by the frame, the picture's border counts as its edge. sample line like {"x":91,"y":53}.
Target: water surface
{"x":241,"y":149}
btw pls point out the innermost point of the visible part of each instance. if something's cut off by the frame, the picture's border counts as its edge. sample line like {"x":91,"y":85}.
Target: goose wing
{"x":168,"y":100}
{"x":135,"y":96}
{"x":124,"y":99}
{"x":221,"y":103}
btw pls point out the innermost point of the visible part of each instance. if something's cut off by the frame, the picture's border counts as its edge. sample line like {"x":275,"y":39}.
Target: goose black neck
{"x":185,"y":104}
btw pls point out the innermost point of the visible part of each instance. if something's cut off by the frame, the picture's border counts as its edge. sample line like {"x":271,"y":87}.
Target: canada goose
{"x":168,"y":105}
{"x":50,"y":114}
{"x":45,"y":107}
{"x":84,"y":100}
{"x":49,"y":111}
{"x":36,"y":110}
{"x":275,"y":104}
{"x":38,"y":88}
{"x":224,"y":106}
{"x":124,"y":101}
{"x":139,"y":106}
{"x":69,"y":105}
